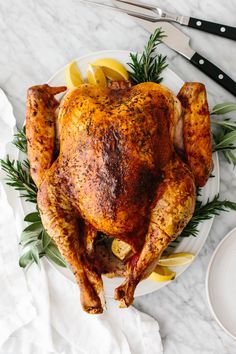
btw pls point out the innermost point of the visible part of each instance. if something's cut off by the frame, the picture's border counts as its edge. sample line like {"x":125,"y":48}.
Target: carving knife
{"x":180,"y":42}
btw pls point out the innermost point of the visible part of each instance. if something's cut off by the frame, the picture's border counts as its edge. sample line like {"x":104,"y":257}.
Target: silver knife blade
{"x":175,"y":39}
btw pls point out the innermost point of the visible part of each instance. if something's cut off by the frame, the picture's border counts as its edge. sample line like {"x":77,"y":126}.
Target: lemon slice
{"x":162,"y":274}
{"x":113,"y":69}
{"x":176,"y":259}
{"x":95,"y":76}
{"x":120,"y":248}
{"x":73,"y":75}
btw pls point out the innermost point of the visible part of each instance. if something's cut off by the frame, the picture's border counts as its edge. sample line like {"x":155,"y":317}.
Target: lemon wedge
{"x":176,"y":259}
{"x":162,"y":274}
{"x":113,"y":69}
{"x":95,"y":76}
{"x":73,"y":75}
{"x":120,"y":248}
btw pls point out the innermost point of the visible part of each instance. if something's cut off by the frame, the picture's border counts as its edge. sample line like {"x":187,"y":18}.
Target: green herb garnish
{"x":149,"y":66}
{"x":18,"y":177}
{"x":20,"y":140}
{"x":223,"y":108}
{"x":225,"y":131}
{"x":205,"y":212}
{"x":35,"y":241}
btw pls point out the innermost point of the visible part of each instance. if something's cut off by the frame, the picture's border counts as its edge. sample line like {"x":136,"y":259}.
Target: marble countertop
{"x":38,"y":37}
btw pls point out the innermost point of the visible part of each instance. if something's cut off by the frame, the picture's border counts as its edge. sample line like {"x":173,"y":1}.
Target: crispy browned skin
{"x":117,"y":170}
{"x":171,"y":210}
{"x":197,"y":132}
{"x":40,"y":110}
{"x":112,"y":162}
{"x":60,"y":219}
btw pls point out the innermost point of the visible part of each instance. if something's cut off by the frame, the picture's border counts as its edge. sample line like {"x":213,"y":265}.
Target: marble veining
{"x":38,"y":37}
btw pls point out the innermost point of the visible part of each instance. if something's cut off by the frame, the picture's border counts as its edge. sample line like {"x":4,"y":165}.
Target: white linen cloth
{"x":40,"y":310}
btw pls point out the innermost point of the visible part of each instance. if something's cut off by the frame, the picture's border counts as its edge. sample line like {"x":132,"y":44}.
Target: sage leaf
{"x":32,"y":217}
{"x":53,"y":253}
{"x":34,"y":226}
{"x":46,"y":239}
{"x":228,"y":124}
{"x":26,"y":259}
{"x":226,"y":141}
{"x":230,"y":157}
{"x":30,"y":241}
{"x":31,"y":231}
{"x":35,"y":254}
{"x":223,"y":108}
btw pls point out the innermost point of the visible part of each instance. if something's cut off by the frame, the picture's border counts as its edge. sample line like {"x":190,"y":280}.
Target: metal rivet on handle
{"x":221,"y":76}
{"x":201,"y":61}
{"x":199,"y":23}
{"x":222,"y":29}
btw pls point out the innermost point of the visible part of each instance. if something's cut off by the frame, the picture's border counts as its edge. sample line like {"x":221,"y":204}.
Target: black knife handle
{"x":214,"y":28}
{"x":214,"y":72}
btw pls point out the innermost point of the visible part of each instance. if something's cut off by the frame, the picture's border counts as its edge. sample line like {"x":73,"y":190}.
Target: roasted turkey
{"x":119,"y":161}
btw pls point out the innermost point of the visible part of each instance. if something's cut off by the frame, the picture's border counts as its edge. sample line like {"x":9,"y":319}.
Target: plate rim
{"x":209,"y":268}
{"x":217,"y":181}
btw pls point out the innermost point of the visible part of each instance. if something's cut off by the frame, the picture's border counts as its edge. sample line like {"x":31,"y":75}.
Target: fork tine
{"x":133,"y":13}
{"x":145,"y":12}
{"x":138,"y":4}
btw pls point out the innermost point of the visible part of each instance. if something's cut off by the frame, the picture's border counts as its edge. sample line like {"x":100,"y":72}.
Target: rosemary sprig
{"x":149,"y":66}
{"x":20,"y":140}
{"x":205,"y":212}
{"x":18,"y":177}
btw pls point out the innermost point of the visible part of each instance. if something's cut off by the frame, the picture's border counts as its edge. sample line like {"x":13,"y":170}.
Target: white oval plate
{"x":190,"y":244}
{"x":221,"y":283}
